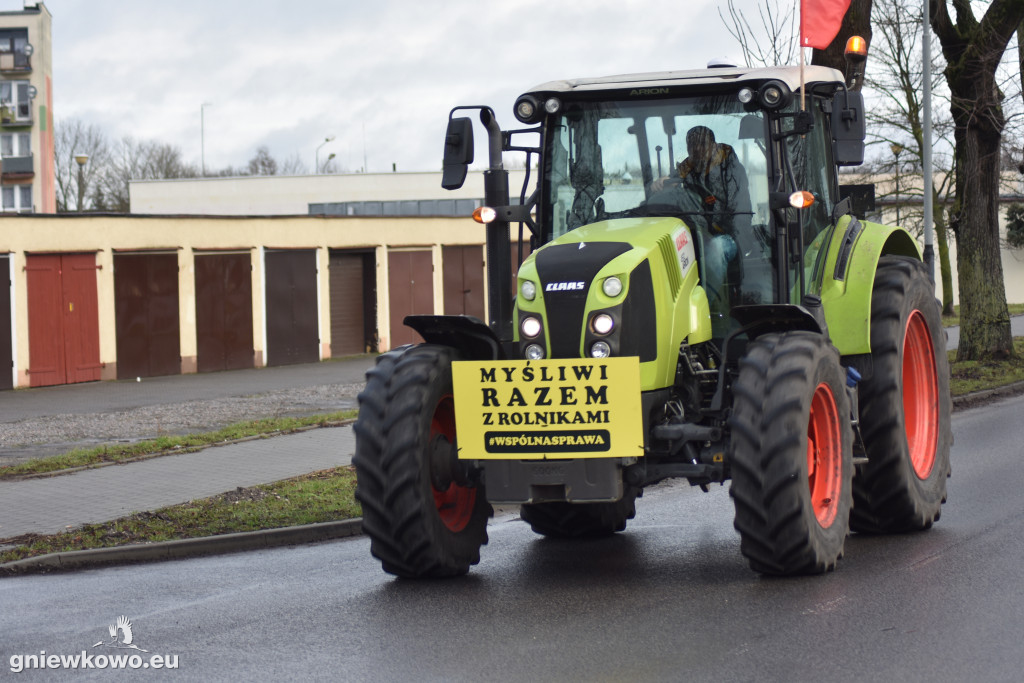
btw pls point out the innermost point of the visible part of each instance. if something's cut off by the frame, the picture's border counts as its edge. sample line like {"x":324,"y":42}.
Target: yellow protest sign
{"x":558,"y":408}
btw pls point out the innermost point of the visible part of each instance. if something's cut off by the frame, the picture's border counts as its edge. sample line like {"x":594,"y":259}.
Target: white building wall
{"x":292,"y":195}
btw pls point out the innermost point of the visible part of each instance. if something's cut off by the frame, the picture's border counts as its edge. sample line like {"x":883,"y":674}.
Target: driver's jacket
{"x":721,"y":188}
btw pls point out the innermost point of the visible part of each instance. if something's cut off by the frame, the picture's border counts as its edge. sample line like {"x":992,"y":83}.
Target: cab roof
{"x":790,"y":75}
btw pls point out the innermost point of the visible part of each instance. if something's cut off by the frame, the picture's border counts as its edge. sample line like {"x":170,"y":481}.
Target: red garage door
{"x":63,"y":319}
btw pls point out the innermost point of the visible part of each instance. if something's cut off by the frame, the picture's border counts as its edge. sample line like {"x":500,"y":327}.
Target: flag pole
{"x":800,"y":43}
{"x":802,"y":107}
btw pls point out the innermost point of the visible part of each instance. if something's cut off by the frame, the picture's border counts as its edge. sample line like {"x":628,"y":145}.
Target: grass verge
{"x":324,"y":496}
{"x":164,"y":445}
{"x":968,"y":376}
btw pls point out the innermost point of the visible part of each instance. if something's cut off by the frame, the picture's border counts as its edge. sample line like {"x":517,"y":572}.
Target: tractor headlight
{"x":530,"y":327}
{"x":602,"y":324}
{"x":600,"y":349}
{"x":527,"y":109}
{"x":534,"y":352}
{"x":528,"y":290}
{"x":612,"y":286}
{"x":774,"y":95}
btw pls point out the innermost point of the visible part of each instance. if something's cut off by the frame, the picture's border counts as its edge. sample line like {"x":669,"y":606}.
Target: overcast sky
{"x":380,"y":75}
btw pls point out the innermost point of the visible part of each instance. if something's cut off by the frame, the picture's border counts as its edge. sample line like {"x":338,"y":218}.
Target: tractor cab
{"x":729,"y":152}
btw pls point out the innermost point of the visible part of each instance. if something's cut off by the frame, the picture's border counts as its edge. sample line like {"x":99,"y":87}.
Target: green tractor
{"x":700,"y":302}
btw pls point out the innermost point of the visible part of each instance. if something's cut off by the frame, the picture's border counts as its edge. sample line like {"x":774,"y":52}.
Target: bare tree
{"x":134,"y":160}
{"x":974,"y":49}
{"x":262,"y":163}
{"x":74,"y":137}
{"x":897,"y":125}
{"x":293,"y":165}
{"x":777,"y":40}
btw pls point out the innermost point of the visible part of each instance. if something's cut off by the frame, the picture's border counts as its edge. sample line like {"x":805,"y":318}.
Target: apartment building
{"x":26,"y":111}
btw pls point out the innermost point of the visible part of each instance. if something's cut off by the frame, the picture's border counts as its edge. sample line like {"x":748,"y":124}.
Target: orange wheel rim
{"x":824,"y":456}
{"x":455,"y":504}
{"x":920,"y":395}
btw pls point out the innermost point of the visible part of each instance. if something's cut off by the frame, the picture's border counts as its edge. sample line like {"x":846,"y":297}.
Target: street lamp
{"x":202,"y":134}
{"x":80,"y":159}
{"x":897,"y":149}
{"x":316,"y":158}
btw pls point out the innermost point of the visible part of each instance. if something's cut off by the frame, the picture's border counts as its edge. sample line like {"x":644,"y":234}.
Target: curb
{"x":980,"y":398}
{"x":191,"y":547}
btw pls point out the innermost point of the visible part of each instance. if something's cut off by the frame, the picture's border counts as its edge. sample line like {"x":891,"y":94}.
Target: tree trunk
{"x":985,"y":323}
{"x":973,"y":49}
{"x":942,"y":242}
{"x":856,"y":22}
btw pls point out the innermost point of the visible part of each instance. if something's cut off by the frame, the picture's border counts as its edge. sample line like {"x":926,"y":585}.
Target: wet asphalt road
{"x":669,"y":600}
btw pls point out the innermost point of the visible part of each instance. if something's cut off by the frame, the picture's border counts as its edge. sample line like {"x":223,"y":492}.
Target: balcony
{"x":15,"y":115}
{"x":17,"y":168}
{"x":15,"y":62}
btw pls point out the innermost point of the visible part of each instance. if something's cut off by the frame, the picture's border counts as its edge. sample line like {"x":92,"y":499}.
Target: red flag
{"x":820,"y":21}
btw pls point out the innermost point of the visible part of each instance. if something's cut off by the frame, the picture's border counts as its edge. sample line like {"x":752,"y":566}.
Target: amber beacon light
{"x":856,"y":49}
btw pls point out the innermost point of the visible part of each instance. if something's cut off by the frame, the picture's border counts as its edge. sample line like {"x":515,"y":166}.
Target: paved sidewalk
{"x":52,"y":504}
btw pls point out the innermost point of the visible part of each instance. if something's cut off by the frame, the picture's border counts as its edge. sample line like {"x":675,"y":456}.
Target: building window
{"x":15,"y":145}
{"x":17,"y":198}
{"x":14,"y":96}
{"x":422,"y":207}
{"x":14,"y":52}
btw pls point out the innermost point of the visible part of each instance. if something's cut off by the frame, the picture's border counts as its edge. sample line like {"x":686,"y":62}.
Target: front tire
{"x":905,"y":405}
{"x":581,"y":520}
{"x":422,"y":522}
{"x":791,"y":454}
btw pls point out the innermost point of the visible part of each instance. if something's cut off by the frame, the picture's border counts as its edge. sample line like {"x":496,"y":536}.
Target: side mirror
{"x":848,"y":128}
{"x":458,"y":152}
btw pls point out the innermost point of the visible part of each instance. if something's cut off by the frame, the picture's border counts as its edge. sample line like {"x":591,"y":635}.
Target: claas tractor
{"x":701,"y":301}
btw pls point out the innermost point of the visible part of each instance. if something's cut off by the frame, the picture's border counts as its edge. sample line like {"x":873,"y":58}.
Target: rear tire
{"x":417,"y":526}
{"x":581,"y":520}
{"x":791,"y":454}
{"x":905,"y":405}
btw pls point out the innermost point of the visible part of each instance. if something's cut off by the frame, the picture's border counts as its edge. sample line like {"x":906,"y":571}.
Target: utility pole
{"x":202,"y":134}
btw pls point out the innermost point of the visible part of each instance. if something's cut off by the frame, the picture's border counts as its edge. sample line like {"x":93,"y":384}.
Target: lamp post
{"x":316,"y":158}
{"x":897,"y":149}
{"x":81,"y":159}
{"x":202,"y":134}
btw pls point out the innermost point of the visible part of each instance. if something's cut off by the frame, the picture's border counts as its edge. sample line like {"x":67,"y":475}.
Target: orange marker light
{"x":801,"y":199}
{"x":484,"y":214}
{"x":856,"y":48}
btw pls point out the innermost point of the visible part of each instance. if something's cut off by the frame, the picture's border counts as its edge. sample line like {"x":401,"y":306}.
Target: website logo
{"x":121,"y":628}
{"x":122,"y":637}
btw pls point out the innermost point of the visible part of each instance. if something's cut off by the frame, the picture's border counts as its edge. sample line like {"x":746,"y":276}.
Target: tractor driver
{"x":712,"y":189}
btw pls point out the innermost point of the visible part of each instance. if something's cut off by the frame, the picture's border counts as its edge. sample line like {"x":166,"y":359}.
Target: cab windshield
{"x":613,"y":159}
{"x":700,"y":159}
